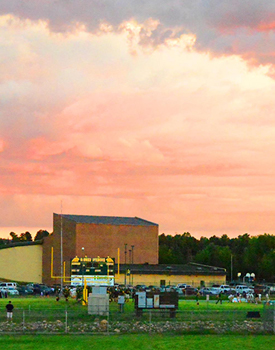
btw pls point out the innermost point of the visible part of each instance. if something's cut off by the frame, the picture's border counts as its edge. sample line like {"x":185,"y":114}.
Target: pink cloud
{"x":172,"y":134}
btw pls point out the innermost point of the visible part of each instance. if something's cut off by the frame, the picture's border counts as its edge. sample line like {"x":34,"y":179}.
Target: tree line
{"x":239,"y":256}
{"x":242,"y":255}
{"x":24,"y":237}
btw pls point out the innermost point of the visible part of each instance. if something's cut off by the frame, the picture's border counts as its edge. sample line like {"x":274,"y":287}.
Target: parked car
{"x":180,"y":291}
{"x":8,"y":284}
{"x":241,"y":289}
{"x":23,"y":290}
{"x":41,"y":289}
{"x":11,"y":291}
{"x":170,"y":288}
{"x":216,"y":287}
{"x":271,"y":289}
{"x":153,"y":288}
{"x":183,"y":285}
{"x":225,"y":288}
{"x":261,"y":289}
{"x":191,"y":291}
{"x":141,"y":287}
{"x":209,"y":291}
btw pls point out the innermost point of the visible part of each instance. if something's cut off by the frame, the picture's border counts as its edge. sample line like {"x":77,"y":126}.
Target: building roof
{"x":11,"y":244}
{"x":108,"y":220}
{"x":163,"y":269}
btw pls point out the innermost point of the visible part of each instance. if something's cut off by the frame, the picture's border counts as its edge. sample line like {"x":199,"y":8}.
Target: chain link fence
{"x":61,"y":321}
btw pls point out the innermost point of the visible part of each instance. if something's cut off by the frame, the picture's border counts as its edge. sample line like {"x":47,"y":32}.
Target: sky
{"x":158,"y":109}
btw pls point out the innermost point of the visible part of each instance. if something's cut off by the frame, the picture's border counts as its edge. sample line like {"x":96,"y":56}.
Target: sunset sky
{"x":163,"y":110}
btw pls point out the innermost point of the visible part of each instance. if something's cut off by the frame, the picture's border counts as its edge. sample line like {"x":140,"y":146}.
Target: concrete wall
{"x":22,"y":264}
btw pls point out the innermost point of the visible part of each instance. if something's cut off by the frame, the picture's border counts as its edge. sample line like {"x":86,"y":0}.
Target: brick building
{"x":137,"y":240}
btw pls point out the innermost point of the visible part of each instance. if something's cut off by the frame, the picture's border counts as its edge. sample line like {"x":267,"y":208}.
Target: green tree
{"x":250,"y":254}
{"x":41,"y":234}
{"x":25,"y":236}
{"x":14,"y":237}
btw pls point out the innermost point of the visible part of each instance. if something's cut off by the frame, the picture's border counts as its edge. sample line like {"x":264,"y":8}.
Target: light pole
{"x":239,"y":276}
{"x":132,"y":262}
{"x":247,"y":275}
{"x":61,"y":250}
{"x":231,"y":267}
{"x":130,"y":258}
{"x":250,"y":276}
{"x":125,"y":252}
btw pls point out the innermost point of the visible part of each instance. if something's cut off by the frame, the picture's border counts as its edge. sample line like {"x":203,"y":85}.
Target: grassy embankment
{"x":144,"y":342}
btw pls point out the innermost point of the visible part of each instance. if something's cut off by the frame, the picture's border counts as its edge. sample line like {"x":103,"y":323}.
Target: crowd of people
{"x":248,"y":298}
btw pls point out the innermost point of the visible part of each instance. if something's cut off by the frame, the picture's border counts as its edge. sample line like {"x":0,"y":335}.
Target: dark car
{"x":191,"y":291}
{"x":141,"y":287}
{"x":41,"y":289}
{"x":24,"y":290}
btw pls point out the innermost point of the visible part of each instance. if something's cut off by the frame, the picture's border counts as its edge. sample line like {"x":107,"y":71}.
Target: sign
{"x":159,"y":300}
{"x":95,"y":271}
{"x":150,"y":303}
{"x":141,"y":299}
{"x":121,"y":299}
{"x":156,"y":301}
{"x":108,"y":281}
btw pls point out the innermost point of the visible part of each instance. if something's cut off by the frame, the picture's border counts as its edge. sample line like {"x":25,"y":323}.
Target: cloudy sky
{"x":158,"y":109}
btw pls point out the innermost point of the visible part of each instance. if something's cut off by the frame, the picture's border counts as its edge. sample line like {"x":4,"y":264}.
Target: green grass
{"x":37,"y":302}
{"x":136,"y":342}
{"x":39,"y":308}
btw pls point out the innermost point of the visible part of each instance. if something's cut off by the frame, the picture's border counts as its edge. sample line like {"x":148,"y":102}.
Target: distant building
{"x":21,"y":261}
{"x":131,"y":241}
{"x":163,"y":274}
{"x":134,"y":239}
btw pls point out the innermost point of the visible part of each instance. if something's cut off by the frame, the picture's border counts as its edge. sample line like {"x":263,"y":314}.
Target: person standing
{"x":197,"y":298}
{"x":219,"y":298}
{"x":9,"y":308}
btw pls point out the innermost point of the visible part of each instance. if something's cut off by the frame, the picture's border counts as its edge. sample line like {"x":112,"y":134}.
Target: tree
{"x":25,"y":236}
{"x":41,"y":234}
{"x":14,"y":237}
{"x":251,"y":254}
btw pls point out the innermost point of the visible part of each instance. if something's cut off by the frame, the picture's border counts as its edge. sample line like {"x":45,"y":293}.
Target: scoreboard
{"x":94,"y":271}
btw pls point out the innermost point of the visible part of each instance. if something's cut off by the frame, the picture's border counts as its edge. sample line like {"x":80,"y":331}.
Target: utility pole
{"x":130,"y":258}
{"x":231,"y":267}
{"x":61,"y":251}
{"x":125,"y":252}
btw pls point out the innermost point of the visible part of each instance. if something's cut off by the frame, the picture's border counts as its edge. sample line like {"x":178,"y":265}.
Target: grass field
{"x":137,"y":342}
{"x":49,"y":306}
{"x":37,"y":302}
{"x":35,"y":314}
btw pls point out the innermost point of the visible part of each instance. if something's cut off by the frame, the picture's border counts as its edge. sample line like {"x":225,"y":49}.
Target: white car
{"x":244,"y":289}
{"x":209,"y":291}
{"x":11,"y":291}
{"x":224,"y":288}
